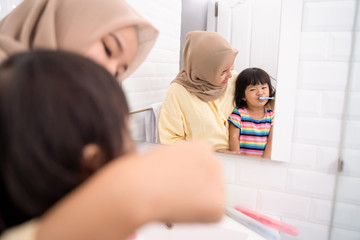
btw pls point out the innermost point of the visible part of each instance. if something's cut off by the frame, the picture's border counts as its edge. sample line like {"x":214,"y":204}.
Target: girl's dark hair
{"x":52,"y":104}
{"x":251,"y":76}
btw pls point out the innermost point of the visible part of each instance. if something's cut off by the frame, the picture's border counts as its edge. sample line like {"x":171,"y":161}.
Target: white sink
{"x":227,"y":229}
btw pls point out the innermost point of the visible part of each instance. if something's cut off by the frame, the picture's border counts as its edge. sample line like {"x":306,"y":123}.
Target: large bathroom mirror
{"x":265,"y":38}
{"x":266,"y":33}
{"x":263,"y":31}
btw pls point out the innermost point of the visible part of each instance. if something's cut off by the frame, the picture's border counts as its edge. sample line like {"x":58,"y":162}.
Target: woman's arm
{"x":267,"y":151}
{"x":234,"y":133}
{"x":137,"y":189}
{"x":172,"y":122}
{"x":170,"y":125}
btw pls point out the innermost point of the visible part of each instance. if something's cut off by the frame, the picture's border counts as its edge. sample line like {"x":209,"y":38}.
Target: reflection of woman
{"x":117,"y":199}
{"x":200,"y":99}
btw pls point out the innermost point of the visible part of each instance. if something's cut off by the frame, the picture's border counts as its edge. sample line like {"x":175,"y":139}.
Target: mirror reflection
{"x":201,"y":96}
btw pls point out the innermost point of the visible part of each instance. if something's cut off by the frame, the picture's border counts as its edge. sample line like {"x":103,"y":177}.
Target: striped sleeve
{"x":270,"y":116}
{"x":235,"y":118}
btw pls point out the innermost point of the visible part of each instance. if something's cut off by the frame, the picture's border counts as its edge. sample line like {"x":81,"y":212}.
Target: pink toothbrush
{"x":270,"y":222}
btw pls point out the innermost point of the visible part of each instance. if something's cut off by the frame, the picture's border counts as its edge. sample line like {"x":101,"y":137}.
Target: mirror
{"x":252,"y":27}
{"x":149,"y":84}
{"x":164,"y":57}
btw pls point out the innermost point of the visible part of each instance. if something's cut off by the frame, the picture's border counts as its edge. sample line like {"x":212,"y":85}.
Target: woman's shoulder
{"x":179,"y":93}
{"x":176,"y":88}
{"x":25,"y":231}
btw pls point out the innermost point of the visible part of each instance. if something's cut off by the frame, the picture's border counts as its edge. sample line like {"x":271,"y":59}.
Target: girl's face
{"x":253,"y":92}
{"x":225,"y":75}
{"x":115,"y":51}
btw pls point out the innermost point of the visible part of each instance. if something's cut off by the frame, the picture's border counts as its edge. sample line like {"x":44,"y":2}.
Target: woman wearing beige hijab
{"x":130,"y":192}
{"x":110,"y":32}
{"x":200,"y":99}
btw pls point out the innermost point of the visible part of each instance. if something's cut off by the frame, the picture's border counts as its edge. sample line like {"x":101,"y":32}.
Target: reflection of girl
{"x":200,"y":98}
{"x":252,"y":119}
{"x":116,"y":200}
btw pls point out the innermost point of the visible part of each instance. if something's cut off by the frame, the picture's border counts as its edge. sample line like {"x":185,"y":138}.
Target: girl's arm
{"x":137,"y":189}
{"x":234,"y":133}
{"x":267,"y":151}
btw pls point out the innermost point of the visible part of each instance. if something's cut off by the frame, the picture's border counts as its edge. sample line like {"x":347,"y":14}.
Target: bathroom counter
{"x":227,"y":229}
{"x":227,"y":226}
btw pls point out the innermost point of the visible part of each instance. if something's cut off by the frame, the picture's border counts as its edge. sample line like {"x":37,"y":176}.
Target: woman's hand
{"x":227,"y":151}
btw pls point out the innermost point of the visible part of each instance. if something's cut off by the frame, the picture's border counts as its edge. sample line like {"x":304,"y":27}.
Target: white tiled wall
{"x":301,"y":191}
{"x":7,"y":5}
{"x":151,"y":81}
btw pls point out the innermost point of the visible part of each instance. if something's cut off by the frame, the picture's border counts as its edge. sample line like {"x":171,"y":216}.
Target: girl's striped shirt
{"x":253,"y":132}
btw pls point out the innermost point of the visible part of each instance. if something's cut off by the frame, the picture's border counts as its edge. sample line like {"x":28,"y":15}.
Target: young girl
{"x":252,"y":119}
{"x":63,"y":118}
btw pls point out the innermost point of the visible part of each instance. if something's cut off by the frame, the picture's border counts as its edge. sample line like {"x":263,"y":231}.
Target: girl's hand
{"x":186,"y":183}
{"x":178,"y":183}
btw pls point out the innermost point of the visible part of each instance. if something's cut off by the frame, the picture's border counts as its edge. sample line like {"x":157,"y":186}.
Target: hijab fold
{"x":206,"y":55}
{"x":72,"y":25}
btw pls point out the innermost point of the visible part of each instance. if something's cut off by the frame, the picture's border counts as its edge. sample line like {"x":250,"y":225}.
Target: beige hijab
{"x":71,"y":25}
{"x":206,"y":55}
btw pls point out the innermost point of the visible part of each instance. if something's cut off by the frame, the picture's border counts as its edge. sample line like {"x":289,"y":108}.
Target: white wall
{"x":151,"y":81}
{"x":193,"y":17}
{"x":301,"y":192}
{"x":7,"y":5}
{"x":347,"y":211}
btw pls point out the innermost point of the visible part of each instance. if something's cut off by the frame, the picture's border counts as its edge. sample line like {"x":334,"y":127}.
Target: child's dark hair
{"x":52,"y":104}
{"x":251,"y":76}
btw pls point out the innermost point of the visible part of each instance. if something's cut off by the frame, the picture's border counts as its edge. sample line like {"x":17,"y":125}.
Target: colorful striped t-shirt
{"x":253,"y":132}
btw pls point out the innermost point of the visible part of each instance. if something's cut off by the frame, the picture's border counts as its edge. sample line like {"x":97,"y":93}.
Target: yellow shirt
{"x":24,"y":231}
{"x":184,"y":116}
